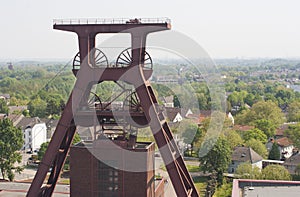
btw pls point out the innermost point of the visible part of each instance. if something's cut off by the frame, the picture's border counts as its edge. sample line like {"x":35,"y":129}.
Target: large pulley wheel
{"x":125,"y":59}
{"x":98,"y":59}
{"x":132,"y":103}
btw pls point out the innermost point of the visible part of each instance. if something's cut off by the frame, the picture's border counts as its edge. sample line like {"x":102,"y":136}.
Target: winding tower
{"x":140,"y":107}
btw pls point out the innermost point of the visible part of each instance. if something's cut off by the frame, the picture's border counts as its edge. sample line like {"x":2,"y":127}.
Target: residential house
{"x":243,"y":154}
{"x":186,"y":113}
{"x":242,"y":128}
{"x":15,"y":118}
{"x":189,"y":114}
{"x":291,"y":163}
{"x":35,"y":133}
{"x":51,"y":126}
{"x":168,"y":101}
{"x":285,"y":147}
{"x":280,"y":130}
{"x":173,"y":114}
{"x":17,"y":109}
{"x":204,"y":114}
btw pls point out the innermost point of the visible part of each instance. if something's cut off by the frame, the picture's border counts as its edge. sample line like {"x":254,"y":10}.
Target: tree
{"x":294,"y":112}
{"x":218,"y":158}
{"x":247,"y":171}
{"x":237,"y":98}
{"x":255,"y":134}
{"x":212,"y":184}
{"x":258,"y":147}
{"x":267,"y":110}
{"x":42,"y":150}
{"x":293,"y":133}
{"x":275,"y":172}
{"x":233,"y":138}
{"x":3,"y":106}
{"x":54,"y":105}
{"x":37,"y":108}
{"x":266,"y":126}
{"x":11,"y":141}
{"x":274,"y":152}
{"x":224,"y":191}
{"x":76,"y":139}
{"x":176,"y":101}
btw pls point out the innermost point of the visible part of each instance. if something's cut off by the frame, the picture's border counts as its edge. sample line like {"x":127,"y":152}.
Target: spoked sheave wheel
{"x":132,"y":102}
{"x":76,"y":62}
{"x":94,"y":100}
{"x":100,"y":59}
{"x":125,"y":59}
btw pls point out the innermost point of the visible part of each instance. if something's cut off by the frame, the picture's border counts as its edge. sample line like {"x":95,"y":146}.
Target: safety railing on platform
{"x":110,"y":21}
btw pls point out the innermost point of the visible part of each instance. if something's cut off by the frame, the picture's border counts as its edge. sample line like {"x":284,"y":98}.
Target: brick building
{"x":111,"y":168}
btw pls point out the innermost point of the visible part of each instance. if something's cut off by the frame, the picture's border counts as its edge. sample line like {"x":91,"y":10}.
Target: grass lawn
{"x":192,"y":168}
{"x":200,"y":184}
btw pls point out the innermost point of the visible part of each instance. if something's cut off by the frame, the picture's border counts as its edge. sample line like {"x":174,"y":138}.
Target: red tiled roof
{"x":243,"y":127}
{"x":284,"y":141}
{"x":281,"y":129}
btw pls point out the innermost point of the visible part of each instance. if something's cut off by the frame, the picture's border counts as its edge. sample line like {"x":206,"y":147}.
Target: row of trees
{"x":271,"y":172}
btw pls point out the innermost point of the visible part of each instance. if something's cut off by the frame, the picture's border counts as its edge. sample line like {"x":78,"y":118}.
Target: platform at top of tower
{"x":101,"y":21}
{"x":109,"y":25}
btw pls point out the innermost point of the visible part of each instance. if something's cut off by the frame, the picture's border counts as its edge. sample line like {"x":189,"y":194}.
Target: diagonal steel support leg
{"x":59,"y":145}
{"x":180,"y":177}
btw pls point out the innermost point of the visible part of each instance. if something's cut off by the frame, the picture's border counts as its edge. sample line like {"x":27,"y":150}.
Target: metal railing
{"x":110,"y":21}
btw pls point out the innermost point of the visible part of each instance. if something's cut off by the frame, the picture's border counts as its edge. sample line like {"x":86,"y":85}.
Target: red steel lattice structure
{"x":88,"y":74}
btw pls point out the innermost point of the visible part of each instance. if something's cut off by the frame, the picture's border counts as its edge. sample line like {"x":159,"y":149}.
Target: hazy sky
{"x":231,"y":28}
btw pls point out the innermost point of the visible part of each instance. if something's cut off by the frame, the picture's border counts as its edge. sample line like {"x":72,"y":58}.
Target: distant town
{"x":256,"y":150}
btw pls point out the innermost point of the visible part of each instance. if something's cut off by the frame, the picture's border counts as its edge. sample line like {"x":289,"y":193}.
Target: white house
{"x":35,"y":133}
{"x":285,"y":147}
{"x":244,"y":154}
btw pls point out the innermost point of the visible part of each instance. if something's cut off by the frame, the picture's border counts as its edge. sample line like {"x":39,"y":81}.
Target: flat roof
{"x":277,"y":191}
{"x":265,"y":187}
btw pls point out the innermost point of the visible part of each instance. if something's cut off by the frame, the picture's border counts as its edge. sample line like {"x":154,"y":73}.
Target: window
{"x":108,"y":177}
